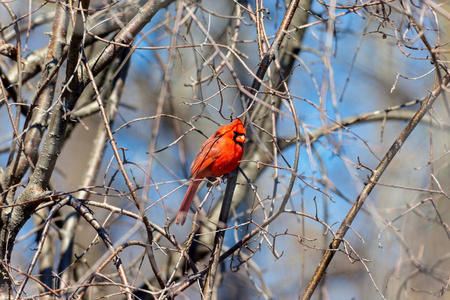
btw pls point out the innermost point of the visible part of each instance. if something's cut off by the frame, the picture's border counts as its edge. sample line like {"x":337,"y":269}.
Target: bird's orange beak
{"x":240,"y":138}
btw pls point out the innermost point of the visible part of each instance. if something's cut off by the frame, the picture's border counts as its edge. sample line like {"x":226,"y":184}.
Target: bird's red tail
{"x":186,"y":204}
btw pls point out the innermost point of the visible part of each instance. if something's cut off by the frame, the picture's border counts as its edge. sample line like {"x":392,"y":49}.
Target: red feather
{"x":220,"y":154}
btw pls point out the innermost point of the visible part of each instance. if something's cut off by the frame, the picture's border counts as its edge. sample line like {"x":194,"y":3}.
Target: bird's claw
{"x":214,"y":181}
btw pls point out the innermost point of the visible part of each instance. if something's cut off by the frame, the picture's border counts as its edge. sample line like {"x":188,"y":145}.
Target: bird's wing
{"x":207,"y":154}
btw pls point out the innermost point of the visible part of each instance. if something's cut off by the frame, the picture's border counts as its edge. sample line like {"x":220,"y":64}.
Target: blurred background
{"x":363,"y":65}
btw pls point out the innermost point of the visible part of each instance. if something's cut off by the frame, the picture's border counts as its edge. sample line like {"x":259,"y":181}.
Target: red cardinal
{"x":220,"y":154}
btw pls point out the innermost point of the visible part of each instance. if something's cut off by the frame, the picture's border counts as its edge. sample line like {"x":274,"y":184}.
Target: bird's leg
{"x":214,"y":181}
{"x":224,"y":177}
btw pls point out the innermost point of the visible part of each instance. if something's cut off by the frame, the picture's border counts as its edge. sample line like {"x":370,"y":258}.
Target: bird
{"x":220,"y":154}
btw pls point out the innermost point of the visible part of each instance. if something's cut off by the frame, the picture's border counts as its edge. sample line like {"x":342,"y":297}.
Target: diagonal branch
{"x":376,"y":175}
{"x":128,"y":182}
